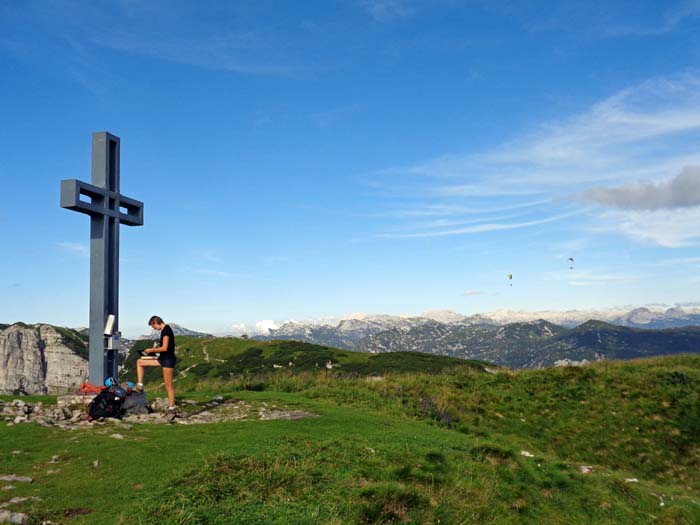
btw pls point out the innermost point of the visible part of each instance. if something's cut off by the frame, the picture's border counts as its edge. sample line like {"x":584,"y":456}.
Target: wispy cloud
{"x":489,"y":227}
{"x":668,"y":228}
{"x":470,"y":293}
{"x":592,"y":278}
{"x":383,"y":10}
{"x":647,"y":132}
{"x":671,"y":20}
{"x":75,"y":248}
{"x":159,"y":30}
{"x":680,"y":261}
{"x":324,"y":119}
{"x":442,"y":210}
{"x":226,"y":52}
{"x":211,"y":272}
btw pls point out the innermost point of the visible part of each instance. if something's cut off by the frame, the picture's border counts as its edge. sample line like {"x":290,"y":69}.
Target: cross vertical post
{"x":107,"y":209}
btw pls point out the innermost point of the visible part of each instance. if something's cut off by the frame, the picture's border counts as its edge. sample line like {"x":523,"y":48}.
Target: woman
{"x":165,"y":358}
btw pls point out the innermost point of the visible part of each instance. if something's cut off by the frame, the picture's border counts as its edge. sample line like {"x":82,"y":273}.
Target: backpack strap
{"x":88,"y":388}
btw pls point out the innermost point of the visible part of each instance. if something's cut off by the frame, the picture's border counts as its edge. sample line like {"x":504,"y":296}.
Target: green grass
{"x":225,"y":357}
{"x":408,"y":448}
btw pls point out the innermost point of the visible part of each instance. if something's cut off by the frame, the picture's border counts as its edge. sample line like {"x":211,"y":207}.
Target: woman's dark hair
{"x":155,"y":319}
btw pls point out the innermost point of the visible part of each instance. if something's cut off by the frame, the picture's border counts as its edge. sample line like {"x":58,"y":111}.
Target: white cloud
{"x":75,"y":248}
{"x":473,"y":292}
{"x":681,"y":191}
{"x":266,"y":325}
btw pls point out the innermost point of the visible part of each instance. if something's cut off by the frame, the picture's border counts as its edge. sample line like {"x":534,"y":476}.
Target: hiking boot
{"x":171,"y":414}
{"x":139,"y":388}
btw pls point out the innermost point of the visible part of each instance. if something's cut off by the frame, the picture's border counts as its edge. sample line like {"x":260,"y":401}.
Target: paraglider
{"x":510,"y":278}
{"x":571,"y":266}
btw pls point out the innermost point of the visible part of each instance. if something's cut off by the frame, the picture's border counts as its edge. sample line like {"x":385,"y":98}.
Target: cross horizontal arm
{"x":72,"y":189}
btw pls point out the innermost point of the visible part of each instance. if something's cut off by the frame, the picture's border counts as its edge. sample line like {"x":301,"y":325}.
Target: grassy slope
{"x":203,"y":359}
{"x":424,"y":448}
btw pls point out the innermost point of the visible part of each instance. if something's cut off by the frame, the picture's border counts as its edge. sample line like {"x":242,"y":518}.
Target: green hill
{"x":220,"y":358}
{"x":609,"y":443}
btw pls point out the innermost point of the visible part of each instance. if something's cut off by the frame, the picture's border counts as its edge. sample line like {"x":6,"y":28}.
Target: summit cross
{"x":107,"y":208}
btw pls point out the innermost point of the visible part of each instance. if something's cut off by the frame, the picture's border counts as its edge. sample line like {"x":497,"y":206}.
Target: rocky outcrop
{"x":41,"y":359}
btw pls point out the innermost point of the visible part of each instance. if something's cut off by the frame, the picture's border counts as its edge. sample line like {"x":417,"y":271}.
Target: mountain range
{"x":349,"y":328}
{"x":535,"y":344}
{"x":349,"y":333}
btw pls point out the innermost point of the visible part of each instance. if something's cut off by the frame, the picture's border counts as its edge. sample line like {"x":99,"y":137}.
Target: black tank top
{"x":170,"y":351}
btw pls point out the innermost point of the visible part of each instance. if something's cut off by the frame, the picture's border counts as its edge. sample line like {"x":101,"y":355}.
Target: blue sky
{"x":308,"y":159}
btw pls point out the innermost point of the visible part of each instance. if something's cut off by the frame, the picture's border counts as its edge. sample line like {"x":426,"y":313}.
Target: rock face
{"x":41,"y":359}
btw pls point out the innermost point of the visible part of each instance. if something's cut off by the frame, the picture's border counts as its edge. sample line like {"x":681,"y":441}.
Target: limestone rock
{"x":16,"y":518}
{"x":159,"y":403}
{"x":38,"y":359}
{"x":13,"y":477}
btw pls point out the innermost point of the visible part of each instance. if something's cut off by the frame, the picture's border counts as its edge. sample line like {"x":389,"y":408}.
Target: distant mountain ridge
{"x":352,"y":326}
{"x":646,"y":318}
{"x":524,"y":344}
{"x":536,"y":344}
{"x":177,"y":330}
{"x":345,"y":335}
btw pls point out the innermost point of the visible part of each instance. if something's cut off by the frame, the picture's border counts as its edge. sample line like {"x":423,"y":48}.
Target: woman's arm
{"x":162,"y":348}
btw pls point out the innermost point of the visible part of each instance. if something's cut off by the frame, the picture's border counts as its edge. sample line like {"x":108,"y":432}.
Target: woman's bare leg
{"x":168,"y":380}
{"x":141,"y":364}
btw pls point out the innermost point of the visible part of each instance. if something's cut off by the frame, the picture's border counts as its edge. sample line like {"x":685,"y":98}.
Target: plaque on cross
{"x":107,"y":208}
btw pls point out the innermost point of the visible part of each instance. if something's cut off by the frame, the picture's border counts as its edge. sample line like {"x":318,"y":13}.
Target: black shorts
{"x":167,"y":361}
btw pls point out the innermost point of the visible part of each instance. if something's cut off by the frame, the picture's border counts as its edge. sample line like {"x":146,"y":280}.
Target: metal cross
{"x":107,"y":209}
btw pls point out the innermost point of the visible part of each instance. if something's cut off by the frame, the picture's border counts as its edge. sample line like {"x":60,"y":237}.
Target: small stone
{"x":586,"y":469}
{"x":526,"y":454}
{"x":54,"y":459}
{"x":14,"y":501}
{"x":116,"y":436}
{"x":21,"y":419}
{"x":16,"y":452}
{"x":67,"y":412}
{"x":13,"y":477}
{"x":8,"y":487}
{"x":631,"y":480}
{"x":218,"y":399}
{"x":16,"y":518}
{"x":96,"y":463}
